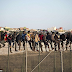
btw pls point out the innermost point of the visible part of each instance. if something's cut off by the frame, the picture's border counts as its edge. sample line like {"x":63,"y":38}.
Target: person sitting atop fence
{"x":18,"y":40}
{"x":36,"y":41}
{"x":29,"y":39}
{"x":41,"y":40}
{"x":68,"y":39}
{"x":24,"y":38}
{"x":44,"y":39}
{"x":5,"y":38}
{"x":9,"y":41}
{"x":52,"y":39}
{"x":13,"y":39}
{"x":62,"y":38}
{"x":57,"y":41}
{"x":33,"y":41}
{"x":2,"y":39}
{"x":48,"y":39}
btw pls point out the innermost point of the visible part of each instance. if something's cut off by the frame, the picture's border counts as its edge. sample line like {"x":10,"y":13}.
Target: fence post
{"x":23,"y":62}
{"x":8,"y":57}
{"x":22,"y":69}
{"x":39,"y":59}
{"x":70,"y":55}
{"x":55,"y":60}
{"x":26,"y":56}
{"x":61,"y":62}
{"x":5,"y":69}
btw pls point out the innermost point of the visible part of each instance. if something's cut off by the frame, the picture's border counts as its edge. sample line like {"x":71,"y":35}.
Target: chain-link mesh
{"x":44,"y":63}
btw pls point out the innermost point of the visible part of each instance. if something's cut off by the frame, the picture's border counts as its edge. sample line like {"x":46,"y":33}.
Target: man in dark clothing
{"x":48,"y":39}
{"x":57,"y":41}
{"x":2,"y":36}
{"x":2,"y":39}
{"x":52,"y":39}
{"x":44,"y":39}
{"x":14,"y":38}
{"x":62,"y":38}
{"x":68,"y":39}
{"x":24,"y":38}
{"x":9,"y":39}
{"x":18,"y":40}
{"x":71,"y":38}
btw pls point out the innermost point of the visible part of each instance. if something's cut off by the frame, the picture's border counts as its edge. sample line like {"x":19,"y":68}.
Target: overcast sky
{"x":36,"y":14}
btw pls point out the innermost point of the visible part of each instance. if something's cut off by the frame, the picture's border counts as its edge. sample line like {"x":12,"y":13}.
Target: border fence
{"x":30,"y":61}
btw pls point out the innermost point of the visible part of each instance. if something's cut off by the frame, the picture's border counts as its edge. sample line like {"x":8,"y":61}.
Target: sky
{"x":36,"y":14}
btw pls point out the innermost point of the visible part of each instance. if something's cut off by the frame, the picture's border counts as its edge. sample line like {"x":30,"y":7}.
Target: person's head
{"x":23,"y":32}
{"x":52,"y":32}
{"x":56,"y":32}
{"x":9,"y":35}
{"x":28,"y":32}
{"x":5,"y":33}
{"x":36,"y":32}
{"x":68,"y":33}
{"x":14,"y":32}
{"x":63,"y":34}
{"x":47,"y":33}
{"x":1,"y":32}
{"x":41,"y":33}
{"x":33,"y":32}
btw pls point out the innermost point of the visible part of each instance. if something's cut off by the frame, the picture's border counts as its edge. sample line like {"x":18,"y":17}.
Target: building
{"x":51,"y":29}
{"x":2,"y":29}
{"x":60,"y":29}
{"x":21,"y":28}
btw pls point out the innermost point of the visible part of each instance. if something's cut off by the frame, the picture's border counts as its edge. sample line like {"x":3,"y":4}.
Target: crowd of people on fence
{"x":36,"y":38}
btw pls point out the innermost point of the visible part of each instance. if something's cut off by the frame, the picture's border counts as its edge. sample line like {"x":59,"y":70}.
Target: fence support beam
{"x":61,"y":62}
{"x":23,"y":67}
{"x":8,"y":57}
{"x":70,"y":55}
{"x":55,"y":60}
{"x":39,"y":60}
{"x":26,"y":57}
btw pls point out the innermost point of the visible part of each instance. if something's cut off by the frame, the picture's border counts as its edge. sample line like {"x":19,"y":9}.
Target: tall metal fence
{"x":33,"y":61}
